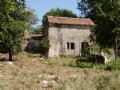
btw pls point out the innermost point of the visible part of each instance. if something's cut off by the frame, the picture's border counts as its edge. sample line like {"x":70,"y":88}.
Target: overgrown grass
{"x":84,"y":64}
{"x":64,"y":73}
{"x":111,"y":65}
{"x":31,"y":54}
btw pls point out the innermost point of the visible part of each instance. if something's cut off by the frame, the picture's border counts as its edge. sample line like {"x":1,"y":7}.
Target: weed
{"x":108,"y":67}
{"x":1,"y":87}
{"x":60,"y":73}
{"x":117,"y":74}
{"x":50,"y":85}
{"x":64,"y":64}
{"x":72,"y":63}
{"x":74,"y":79}
{"x":52,"y":63}
{"x":102,"y":82}
{"x":56,"y":78}
{"x":31,"y":54}
{"x":62,"y":87}
{"x":111,"y":65}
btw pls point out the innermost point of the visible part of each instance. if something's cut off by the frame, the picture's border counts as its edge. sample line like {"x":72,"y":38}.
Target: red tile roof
{"x":34,"y":36}
{"x":70,"y":21}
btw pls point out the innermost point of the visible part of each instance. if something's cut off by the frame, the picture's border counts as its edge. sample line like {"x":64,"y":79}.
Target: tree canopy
{"x":14,"y":20}
{"x":57,"y":12}
{"x":37,"y":30}
{"x":106,"y":16}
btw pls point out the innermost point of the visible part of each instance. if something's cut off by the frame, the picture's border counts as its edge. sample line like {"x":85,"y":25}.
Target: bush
{"x":44,"y":43}
{"x":96,"y":58}
{"x":102,"y":82}
{"x":111,"y":65}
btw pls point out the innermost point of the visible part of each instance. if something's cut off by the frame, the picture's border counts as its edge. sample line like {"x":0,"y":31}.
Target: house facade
{"x":66,"y":35}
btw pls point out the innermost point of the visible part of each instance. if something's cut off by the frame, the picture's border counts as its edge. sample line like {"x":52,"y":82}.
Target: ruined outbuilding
{"x":31,"y":42}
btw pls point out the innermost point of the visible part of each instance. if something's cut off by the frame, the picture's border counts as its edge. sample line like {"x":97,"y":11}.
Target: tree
{"x":58,"y":12}
{"x":37,"y":30}
{"x":13,"y":21}
{"x":44,"y":45}
{"x":31,"y":19}
{"x":105,"y":13}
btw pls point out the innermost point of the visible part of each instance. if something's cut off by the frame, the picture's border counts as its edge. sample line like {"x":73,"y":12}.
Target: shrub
{"x":102,"y":82}
{"x":44,"y":43}
{"x":111,"y":65}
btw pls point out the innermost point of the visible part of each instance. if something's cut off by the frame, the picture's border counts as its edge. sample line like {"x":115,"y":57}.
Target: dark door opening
{"x":85,"y":50}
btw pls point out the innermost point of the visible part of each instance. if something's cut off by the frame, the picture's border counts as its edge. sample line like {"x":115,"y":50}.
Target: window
{"x":70,"y":45}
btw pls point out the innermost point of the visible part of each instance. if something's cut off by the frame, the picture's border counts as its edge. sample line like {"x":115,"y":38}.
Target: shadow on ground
{"x":82,"y":63}
{"x":93,"y":61}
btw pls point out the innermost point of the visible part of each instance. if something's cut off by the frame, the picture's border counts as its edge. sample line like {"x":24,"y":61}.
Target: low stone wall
{"x":98,"y":59}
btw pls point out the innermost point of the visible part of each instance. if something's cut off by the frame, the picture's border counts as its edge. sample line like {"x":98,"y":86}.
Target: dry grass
{"x":32,"y":73}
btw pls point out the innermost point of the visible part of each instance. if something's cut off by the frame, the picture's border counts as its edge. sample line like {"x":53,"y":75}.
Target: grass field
{"x":30,"y":72}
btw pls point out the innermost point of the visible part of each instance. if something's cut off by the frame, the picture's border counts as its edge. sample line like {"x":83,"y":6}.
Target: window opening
{"x":70,"y":45}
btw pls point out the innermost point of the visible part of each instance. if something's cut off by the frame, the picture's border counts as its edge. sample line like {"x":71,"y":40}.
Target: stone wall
{"x":61,"y":34}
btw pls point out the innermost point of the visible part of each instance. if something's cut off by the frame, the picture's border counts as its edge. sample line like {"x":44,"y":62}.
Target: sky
{"x":43,"y":6}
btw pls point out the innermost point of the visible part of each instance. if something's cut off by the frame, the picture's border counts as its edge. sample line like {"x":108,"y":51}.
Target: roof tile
{"x":70,"y":21}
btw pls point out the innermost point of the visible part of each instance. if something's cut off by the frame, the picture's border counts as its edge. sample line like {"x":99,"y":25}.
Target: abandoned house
{"x":67,"y":35}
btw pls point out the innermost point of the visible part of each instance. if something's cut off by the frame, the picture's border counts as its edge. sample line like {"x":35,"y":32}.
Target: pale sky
{"x":43,"y":6}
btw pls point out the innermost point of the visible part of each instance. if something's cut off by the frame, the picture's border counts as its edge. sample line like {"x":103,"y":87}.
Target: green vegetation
{"x":11,"y":26}
{"x":44,"y":43}
{"x":105,"y":14}
{"x":29,"y":71}
{"x":57,"y":74}
{"x":37,"y":30}
{"x":57,"y":12}
{"x":15,"y":18}
{"x":111,"y":66}
{"x":30,"y":54}
{"x":53,"y":12}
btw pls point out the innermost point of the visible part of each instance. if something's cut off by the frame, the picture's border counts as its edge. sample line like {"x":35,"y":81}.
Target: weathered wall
{"x":61,"y":34}
{"x":54,"y":49}
{"x":33,"y":46}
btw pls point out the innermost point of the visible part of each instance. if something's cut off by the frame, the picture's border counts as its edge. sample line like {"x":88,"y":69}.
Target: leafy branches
{"x":105,"y":14}
{"x":45,"y":43}
{"x":57,"y":12}
{"x":14,"y":20}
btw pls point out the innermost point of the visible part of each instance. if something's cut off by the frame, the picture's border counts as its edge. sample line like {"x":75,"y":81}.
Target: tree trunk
{"x":116,"y":50}
{"x":10,"y":54}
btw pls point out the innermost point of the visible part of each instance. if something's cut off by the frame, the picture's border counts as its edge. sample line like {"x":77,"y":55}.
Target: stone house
{"x":67,"y":35}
